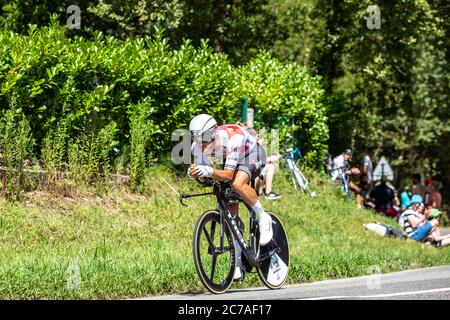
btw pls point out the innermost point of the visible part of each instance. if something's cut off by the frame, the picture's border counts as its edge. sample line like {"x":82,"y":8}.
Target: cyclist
{"x":243,"y":160}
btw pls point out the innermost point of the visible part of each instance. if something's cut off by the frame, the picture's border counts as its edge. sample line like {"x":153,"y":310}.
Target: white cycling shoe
{"x":237,"y":273}
{"x":265,"y":229}
{"x":238,"y":270}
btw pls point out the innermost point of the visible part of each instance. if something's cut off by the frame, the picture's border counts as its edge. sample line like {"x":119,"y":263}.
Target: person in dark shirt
{"x":383,"y":196}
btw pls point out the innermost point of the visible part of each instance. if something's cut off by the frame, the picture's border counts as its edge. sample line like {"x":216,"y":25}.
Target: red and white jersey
{"x":232,"y":144}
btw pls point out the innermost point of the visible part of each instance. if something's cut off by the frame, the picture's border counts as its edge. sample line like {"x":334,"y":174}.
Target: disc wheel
{"x":273,"y":271}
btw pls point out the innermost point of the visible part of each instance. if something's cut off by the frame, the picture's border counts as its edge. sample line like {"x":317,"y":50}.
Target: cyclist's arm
{"x":199,"y":157}
{"x":218,"y":175}
{"x":231,"y":161}
{"x":223,"y":175}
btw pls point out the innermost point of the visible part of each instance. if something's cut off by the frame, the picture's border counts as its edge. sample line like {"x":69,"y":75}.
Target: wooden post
{"x":250,"y":117}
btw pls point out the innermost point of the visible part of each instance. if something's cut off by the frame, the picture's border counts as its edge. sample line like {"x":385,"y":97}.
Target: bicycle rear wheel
{"x":214,"y":256}
{"x":273,"y":271}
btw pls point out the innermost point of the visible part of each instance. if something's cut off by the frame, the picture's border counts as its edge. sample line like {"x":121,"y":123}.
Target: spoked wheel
{"x":274,"y":271}
{"x":214,"y":254}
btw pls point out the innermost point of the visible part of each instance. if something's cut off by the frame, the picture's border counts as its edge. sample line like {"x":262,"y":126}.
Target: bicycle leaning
{"x":214,"y":246}
{"x":298,"y":179}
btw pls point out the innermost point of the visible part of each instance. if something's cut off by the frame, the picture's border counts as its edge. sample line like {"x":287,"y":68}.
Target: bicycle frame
{"x":247,"y":249}
{"x":344,"y":179}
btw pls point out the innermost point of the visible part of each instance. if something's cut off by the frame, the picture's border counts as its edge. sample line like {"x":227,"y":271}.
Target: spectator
{"x":384,"y":197}
{"x":405,"y":198}
{"x":417,"y":226}
{"x":365,"y":191}
{"x":436,"y":196}
{"x":268,"y":174}
{"x":265,"y":185}
{"x":417,"y":187}
{"x":435,"y":238}
{"x":427,"y":192}
{"x":341,"y":167}
{"x":396,"y":202}
{"x":395,"y":210}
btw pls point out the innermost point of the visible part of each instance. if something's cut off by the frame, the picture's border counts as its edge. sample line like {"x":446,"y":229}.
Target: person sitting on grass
{"x":383,"y":196}
{"x":417,"y":226}
{"x":265,"y":184}
{"x":341,"y":167}
{"x":405,"y":198}
{"x":366,"y":189}
{"x":435,"y":238}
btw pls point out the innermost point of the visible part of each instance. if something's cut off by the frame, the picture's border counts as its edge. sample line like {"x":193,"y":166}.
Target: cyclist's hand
{"x":203,"y":171}
{"x":190,"y":172}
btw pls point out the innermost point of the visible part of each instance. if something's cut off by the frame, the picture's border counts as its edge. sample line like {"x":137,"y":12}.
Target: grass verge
{"x":122,"y":245}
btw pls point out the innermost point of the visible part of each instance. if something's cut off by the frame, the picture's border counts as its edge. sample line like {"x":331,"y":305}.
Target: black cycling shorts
{"x":253,"y":163}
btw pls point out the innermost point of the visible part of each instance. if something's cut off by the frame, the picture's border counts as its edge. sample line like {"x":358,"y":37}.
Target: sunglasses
{"x":206,"y":136}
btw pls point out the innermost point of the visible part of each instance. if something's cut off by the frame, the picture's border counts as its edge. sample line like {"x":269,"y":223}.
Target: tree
{"x":393,"y":81}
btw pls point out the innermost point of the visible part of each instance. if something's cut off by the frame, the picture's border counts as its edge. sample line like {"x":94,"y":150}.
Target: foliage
{"x":141,"y":129}
{"x":87,"y":93}
{"x":387,"y":88}
{"x":16,"y":143}
{"x":392,"y":83}
{"x":227,"y":25}
{"x":287,"y":98}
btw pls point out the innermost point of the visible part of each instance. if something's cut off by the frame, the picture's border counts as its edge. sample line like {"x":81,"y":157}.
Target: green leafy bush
{"x":287,"y":98}
{"x":16,"y":143}
{"x":101,"y":89}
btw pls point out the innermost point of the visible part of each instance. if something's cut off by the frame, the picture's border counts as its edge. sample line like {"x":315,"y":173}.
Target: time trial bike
{"x":214,"y":249}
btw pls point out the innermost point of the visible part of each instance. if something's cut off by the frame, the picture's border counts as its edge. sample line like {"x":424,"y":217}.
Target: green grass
{"x":132,"y":246}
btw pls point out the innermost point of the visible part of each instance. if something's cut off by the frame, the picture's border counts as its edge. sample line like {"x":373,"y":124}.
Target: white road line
{"x":381,"y":295}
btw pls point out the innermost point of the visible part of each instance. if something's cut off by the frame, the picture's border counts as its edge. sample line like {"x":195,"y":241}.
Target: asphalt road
{"x":419,"y":284}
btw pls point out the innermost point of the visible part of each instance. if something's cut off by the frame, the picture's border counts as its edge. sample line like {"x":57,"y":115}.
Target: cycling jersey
{"x":234,"y":147}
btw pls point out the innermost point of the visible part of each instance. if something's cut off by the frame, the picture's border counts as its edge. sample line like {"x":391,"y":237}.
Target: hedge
{"x":90,"y":85}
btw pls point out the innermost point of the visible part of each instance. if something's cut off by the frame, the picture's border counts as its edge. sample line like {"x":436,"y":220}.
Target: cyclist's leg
{"x":240,"y":183}
{"x":247,"y":169}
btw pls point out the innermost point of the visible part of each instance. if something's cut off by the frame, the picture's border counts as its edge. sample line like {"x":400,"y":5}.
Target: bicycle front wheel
{"x":273,"y":271}
{"x":214,"y":252}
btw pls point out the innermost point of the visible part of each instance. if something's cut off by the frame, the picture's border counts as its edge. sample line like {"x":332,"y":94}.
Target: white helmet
{"x":203,"y":127}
